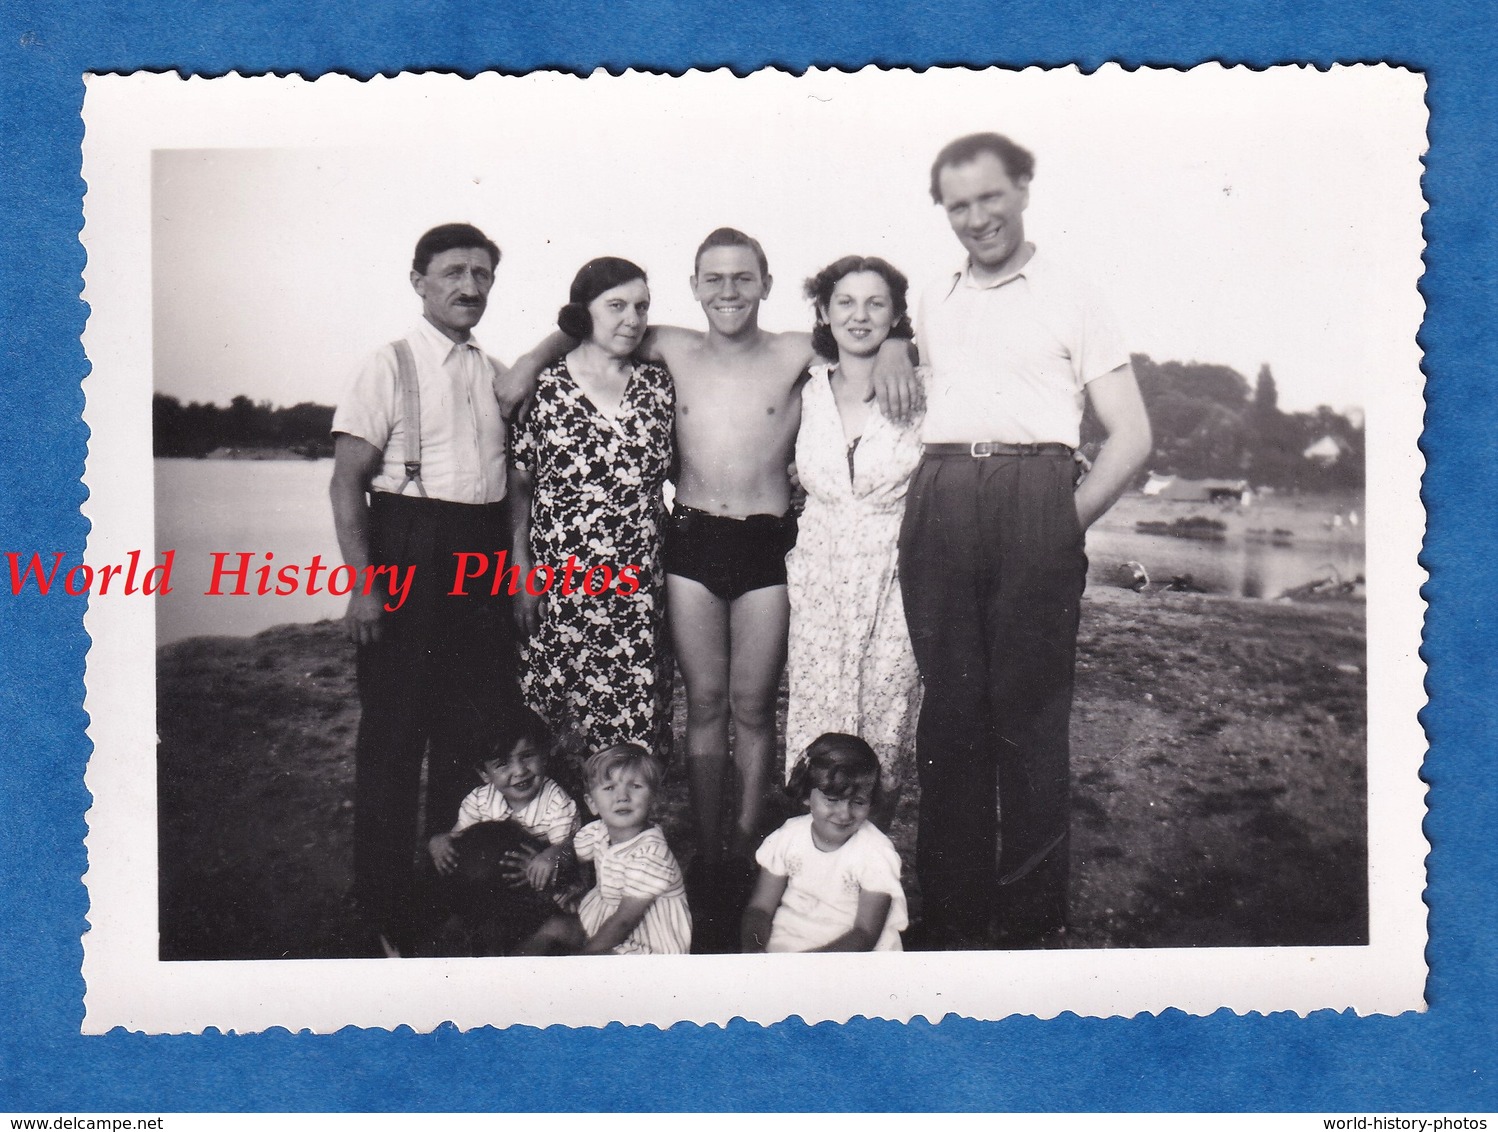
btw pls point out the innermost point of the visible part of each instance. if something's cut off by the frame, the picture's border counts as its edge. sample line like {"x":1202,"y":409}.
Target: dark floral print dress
{"x":600,"y":662}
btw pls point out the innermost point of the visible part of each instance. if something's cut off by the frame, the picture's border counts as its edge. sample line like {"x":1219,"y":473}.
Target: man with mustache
{"x":992,"y":557}
{"x":418,"y":476}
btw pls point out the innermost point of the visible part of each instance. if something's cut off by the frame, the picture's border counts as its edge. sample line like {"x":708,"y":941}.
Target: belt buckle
{"x":980,"y":449}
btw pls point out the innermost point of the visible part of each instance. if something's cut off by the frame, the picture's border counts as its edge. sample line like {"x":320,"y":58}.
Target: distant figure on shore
{"x":1133,"y":576}
{"x":418,"y":476}
{"x":992,"y":556}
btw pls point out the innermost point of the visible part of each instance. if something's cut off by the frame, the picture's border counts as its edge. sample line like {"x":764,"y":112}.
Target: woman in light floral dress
{"x":850,"y":664}
{"x":592,"y":457}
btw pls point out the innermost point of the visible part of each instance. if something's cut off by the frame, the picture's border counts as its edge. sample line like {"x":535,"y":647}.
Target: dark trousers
{"x":437,"y":684}
{"x":992,"y":568}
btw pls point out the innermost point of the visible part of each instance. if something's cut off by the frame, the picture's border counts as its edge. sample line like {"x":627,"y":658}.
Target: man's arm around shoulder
{"x":666,"y":344}
{"x":1116,"y":400}
{"x":513,"y":386}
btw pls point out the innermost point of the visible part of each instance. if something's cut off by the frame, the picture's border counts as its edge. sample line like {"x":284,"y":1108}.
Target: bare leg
{"x":758,"y":626}
{"x":560,"y":935}
{"x":699,"y":629}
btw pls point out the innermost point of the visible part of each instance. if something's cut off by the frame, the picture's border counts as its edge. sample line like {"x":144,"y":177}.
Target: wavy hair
{"x":1018,"y":161}
{"x":819,"y":289}
{"x":446,"y":237}
{"x":593,"y":279}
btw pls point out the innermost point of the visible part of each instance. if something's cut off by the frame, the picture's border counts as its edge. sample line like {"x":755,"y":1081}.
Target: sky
{"x":1228,"y":215}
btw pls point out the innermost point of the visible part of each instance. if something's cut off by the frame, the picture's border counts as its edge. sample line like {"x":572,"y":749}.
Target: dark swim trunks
{"x":729,"y":556}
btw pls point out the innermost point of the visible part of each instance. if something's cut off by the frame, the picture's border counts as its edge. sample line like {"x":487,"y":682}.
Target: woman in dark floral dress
{"x":592,"y":457}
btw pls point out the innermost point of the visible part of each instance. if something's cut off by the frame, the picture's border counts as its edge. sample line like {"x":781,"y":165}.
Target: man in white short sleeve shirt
{"x":436,"y":671}
{"x":992,"y":557}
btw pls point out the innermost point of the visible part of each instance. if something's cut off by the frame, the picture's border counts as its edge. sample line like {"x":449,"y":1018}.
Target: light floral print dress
{"x":850,"y":664}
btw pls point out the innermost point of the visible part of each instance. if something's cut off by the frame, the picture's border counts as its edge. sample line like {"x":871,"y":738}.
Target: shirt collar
{"x":964,"y":277}
{"x":439,"y":343}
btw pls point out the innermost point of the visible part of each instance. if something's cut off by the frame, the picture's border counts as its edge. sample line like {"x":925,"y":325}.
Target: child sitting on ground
{"x":638,"y":905}
{"x":510,"y":845}
{"x":829,"y":880}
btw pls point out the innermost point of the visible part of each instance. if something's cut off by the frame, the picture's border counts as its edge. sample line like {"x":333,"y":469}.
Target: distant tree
{"x":1266,"y":396}
{"x":168,"y":426}
{"x":1208,"y":422}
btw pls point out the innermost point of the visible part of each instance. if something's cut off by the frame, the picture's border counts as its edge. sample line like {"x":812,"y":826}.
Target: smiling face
{"x":517,"y":776}
{"x":622,"y":802}
{"x":986,"y":207}
{"x":620,"y":316}
{"x":835,"y":820}
{"x":860,"y":313}
{"x":455,"y":290}
{"x":729,"y":285}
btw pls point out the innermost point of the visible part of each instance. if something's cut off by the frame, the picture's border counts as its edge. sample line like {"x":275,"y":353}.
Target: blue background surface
{"x":1442,"y":1060}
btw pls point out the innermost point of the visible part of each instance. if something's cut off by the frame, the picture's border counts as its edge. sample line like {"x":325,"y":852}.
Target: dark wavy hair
{"x":819,"y":289}
{"x":593,"y":279}
{"x":732,"y":238}
{"x":1018,"y":161}
{"x":836,"y":764}
{"x":446,"y":237}
{"x":526,"y":726}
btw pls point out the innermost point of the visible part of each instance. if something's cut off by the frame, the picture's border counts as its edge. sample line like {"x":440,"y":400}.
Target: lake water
{"x":1243,"y":564}
{"x":281,"y":507}
{"x":206,"y":506}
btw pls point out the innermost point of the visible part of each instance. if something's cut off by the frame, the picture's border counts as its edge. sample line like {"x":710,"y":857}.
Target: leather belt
{"x":982,"y":448}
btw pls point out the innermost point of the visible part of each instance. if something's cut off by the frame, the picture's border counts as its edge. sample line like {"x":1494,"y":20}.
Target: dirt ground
{"x":1218,"y":765}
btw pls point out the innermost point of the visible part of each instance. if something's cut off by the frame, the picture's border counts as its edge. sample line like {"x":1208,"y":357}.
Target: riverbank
{"x":1218,"y":781}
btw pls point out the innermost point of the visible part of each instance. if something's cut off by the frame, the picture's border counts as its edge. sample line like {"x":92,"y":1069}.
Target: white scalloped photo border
{"x":127,"y":118}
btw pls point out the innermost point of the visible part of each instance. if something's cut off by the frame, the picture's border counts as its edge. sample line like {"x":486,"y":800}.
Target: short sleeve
{"x":559,"y":819}
{"x":585,"y":844}
{"x":367,"y":408}
{"x":770,"y":856}
{"x":927,"y":297}
{"x":1098,"y":347}
{"x":478,"y":806}
{"x":879,"y":867}
{"x":650,"y":870}
{"x":524,"y":443}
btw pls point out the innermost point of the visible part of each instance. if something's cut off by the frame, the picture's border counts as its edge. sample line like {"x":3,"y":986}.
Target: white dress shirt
{"x":1010,"y":360}
{"x":462,"y":429}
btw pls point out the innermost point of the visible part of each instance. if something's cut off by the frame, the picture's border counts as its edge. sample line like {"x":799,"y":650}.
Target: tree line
{"x":1208,"y":423}
{"x":196,"y":429}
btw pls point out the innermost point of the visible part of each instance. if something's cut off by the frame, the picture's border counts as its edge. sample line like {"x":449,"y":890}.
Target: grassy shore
{"x":1219,"y":756}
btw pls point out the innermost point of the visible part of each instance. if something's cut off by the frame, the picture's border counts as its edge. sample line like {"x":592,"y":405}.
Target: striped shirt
{"x":551,"y":814}
{"x":642,"y":867}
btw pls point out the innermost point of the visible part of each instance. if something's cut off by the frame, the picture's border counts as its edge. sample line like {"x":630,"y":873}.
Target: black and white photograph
{"x":880,"y":543}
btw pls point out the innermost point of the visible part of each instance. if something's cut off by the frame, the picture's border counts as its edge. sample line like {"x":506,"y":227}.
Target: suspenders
{"x":409,"y":395}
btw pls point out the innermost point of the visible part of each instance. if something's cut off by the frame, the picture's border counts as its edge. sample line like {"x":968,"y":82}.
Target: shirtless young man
{"x":737,"y":411}
{"x":738,"y":407}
